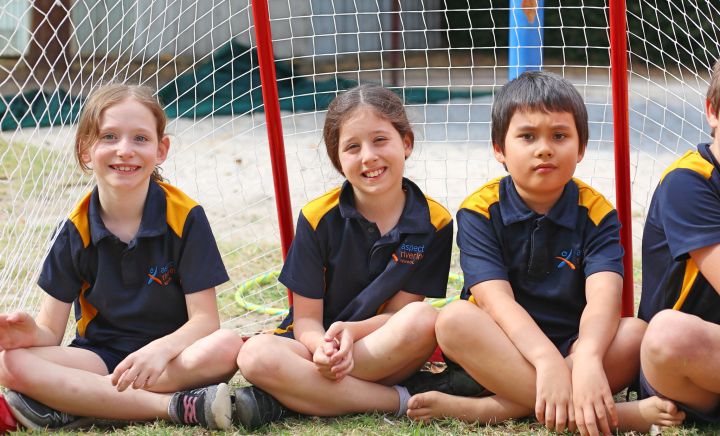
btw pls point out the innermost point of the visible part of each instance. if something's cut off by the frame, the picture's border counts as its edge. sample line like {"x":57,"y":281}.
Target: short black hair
{"x":537,"y":91}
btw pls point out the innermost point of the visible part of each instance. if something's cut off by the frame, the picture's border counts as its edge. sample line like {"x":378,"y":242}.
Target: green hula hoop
{"x":270,"y":278}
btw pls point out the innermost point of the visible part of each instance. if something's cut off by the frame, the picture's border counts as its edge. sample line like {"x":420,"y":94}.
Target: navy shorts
{"x":692,"y":416}
{"x":110,"y":357}
{"x":564,"y":346}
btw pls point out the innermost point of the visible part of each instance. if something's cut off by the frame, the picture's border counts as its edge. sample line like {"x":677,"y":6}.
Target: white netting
{"x":198,"y":54}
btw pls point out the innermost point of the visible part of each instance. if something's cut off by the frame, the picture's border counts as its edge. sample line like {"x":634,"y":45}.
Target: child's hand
{"x":17,"y":330}
{"x":140,"y":369}
{"x":593,"y":402}
{"x":321,"y":358}
{"x":553,"y":400}
{"x":342,"y":360}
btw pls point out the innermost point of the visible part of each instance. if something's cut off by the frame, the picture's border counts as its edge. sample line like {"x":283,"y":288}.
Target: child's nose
{"x":369,"y":153}
{"x":543,"y":149}
{"x":124,"y":148}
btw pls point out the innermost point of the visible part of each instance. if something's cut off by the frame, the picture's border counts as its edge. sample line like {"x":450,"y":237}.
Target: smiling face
{"x":127,"y":149}
{"x":372,"y":153}
{"x":542,"y":150}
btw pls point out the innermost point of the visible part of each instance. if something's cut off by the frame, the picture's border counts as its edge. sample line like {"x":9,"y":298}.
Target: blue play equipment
{"x":526,"y":36}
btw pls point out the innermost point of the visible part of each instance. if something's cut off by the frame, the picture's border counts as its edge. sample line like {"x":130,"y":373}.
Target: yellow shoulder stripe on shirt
{"x":439,"y":216}
{"x":179,"y":206}
{"x":691,"y":273}
{"x":598,"y":207}
{"x":316,"y":209}
{"x":481,"y":200}
{"x":693,"y":161}
{"x":88,"y":312}
{"x":79,"y":217}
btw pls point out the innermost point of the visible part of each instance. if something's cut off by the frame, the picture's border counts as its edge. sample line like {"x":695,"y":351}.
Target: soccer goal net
{"x":446,"y":58}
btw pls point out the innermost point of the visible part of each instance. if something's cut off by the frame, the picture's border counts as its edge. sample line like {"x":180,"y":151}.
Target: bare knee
{"x":673,"y":338}
{"x":452,"y":324}
{"x":228,"y":345}
{"x":215,"y":354}
{"x":12,"y":365}
{"x":258,"y":360}
{"x":629,"y":335}
{"x":417,"y":325}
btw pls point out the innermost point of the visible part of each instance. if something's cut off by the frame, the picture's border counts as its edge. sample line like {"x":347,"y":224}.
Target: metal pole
{"x":618,"y":64}
{"x":271,"y":102}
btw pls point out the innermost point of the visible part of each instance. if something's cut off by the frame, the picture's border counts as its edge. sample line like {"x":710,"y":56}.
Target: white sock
{"x":404,"y":397}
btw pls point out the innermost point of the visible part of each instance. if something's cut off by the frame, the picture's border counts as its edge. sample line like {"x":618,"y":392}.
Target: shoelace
{"x":189,"y":410}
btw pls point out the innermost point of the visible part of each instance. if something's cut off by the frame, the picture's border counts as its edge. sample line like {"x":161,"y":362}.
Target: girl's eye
{"x":527,"y":136}
{"x":107,"y":137}
{"x":351,"y":147}
{"x":380,"y":139}
{"x":559,"y":136}
{"x":141,"y":138}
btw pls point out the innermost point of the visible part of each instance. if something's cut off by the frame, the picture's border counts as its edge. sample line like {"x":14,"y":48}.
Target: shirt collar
{"x":415,"y":217}
{"x":152,"y":223}
{"x":513,"y":208}
{"x":704,"y":150}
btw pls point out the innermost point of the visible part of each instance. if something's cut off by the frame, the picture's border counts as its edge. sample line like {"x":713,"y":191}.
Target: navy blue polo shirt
{"x":546,"y":258}
{"x":127,"y":295}
{"x":684,"y":215}
{"x":340,"y":256}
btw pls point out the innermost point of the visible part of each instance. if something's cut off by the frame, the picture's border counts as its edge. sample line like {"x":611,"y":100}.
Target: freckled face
{"x":128,"y":147}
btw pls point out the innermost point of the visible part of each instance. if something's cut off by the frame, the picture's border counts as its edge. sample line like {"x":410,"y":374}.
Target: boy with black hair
{"x":539,"y":324}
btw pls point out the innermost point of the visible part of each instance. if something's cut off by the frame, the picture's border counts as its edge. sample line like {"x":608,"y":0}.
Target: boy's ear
{"x":163,"y":148}
{"x":711,"y":114}
{"x":499,"y":155}
{"x":581,"y":154}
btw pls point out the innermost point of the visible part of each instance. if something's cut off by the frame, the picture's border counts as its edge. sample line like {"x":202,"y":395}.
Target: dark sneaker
{"x":209,"y":407}
{"x":255,"y":408}
{"x":35,"y":415}
{"x":453,"y":381}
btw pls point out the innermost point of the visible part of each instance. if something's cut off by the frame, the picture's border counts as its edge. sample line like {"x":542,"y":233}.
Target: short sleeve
{"x":480,"y":251}
{"x":603,"y":251}
{"x":59,"y":276}
{"x":689,"y":212}
{"x":200,"y":266}
{"x":304,"y":268}
{"x":430,"y":278}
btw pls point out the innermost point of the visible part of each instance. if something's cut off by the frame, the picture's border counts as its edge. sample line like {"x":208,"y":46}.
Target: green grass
{"x":24,"y":170}
{"x":23,"y":165}
{"x":368,"y":424}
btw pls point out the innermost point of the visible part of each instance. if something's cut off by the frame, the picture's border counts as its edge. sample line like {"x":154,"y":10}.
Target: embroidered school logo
{"x":162,"y":275}
{"x":568,"y":258}
{"x":409,"y":254}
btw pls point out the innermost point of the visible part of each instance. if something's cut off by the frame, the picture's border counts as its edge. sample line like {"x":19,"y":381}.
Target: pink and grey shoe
{"x":209,"y":407}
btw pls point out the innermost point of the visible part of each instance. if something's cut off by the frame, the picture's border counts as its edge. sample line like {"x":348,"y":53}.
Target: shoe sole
{"x":221,"y":408}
